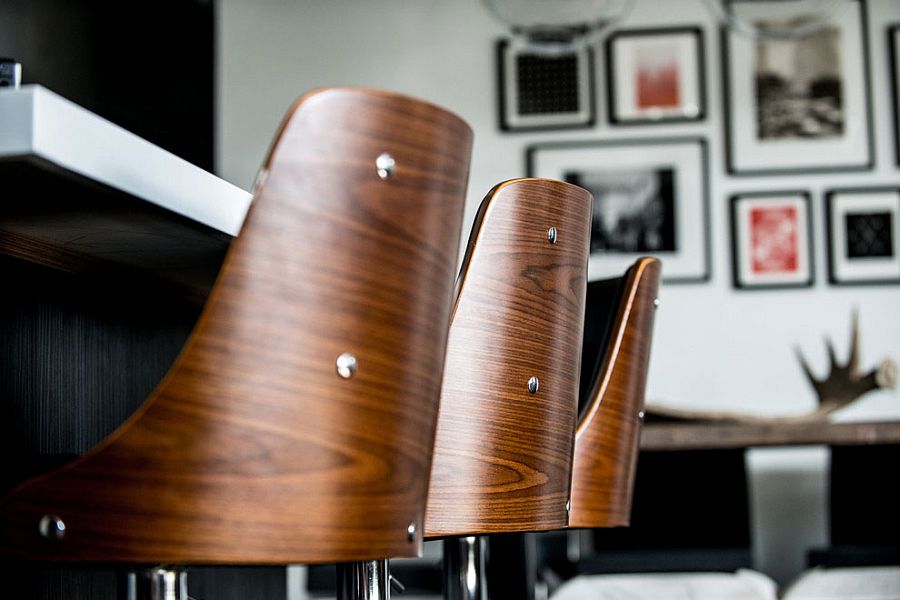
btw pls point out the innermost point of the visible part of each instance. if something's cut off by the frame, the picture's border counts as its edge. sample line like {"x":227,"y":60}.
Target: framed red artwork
{"x":771,"y":240}
{"x":655,"y":75}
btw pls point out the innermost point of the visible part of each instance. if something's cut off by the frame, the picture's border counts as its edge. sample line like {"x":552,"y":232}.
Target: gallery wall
{"x":715,"y":346}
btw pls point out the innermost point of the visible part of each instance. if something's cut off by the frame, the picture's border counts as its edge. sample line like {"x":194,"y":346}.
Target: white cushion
{"x":856,"y":583}
{"x":742,"y":585}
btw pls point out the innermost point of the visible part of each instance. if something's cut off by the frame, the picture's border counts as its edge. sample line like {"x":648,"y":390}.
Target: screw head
{"x":52,"y":527}
{"x":641,"y":415}
{"x":533,"y":385}
{"x":385,"y":165}
{"x":346,"y":365}
{"x":656,"y":303}
{"x":551,"y":235}
{"x":411,"y":532}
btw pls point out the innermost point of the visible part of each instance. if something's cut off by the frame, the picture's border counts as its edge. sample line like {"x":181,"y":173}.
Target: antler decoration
{"x":845,"y":383}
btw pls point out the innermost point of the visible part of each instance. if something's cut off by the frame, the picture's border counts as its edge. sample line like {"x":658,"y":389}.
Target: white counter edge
{"x":35,"y":121}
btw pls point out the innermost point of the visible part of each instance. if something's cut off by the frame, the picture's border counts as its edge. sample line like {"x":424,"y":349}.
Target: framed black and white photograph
{"x":655,"y":75}
{"x":771,"y":237}
{"x":650,"y":199}
{"x":894,"y":51}
{"x":540,"y":91}
{"x":797,"y":105}
{"x":863,"y":228}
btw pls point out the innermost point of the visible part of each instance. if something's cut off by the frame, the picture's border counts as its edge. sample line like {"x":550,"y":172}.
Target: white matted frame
{"x":650,"y":199}
{"x":894,"y":49}
{"x":656,"y":75}
{"x":863,"y":235}
{"x":812,"y":131}
{"x":579,"y":64}
{"x":771,"y":236}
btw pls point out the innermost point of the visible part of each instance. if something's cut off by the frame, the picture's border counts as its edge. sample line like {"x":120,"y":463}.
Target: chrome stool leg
{"x":464,"y":568}
{"x":368,"y":580}
{"x":158,"y":583}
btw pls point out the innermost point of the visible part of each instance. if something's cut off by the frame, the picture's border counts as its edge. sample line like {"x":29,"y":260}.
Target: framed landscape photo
{"x":797,"y":105}
{"x":863,"y":229}
{"x":655,"y":75}
{"x":771,"y":237}
{"x":650,"y":199}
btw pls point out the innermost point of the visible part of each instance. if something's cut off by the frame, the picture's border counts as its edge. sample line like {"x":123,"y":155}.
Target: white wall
{"x":714,"y":347}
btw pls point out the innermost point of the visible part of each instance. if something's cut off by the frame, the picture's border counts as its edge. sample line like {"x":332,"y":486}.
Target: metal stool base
{"x":464,"y":569}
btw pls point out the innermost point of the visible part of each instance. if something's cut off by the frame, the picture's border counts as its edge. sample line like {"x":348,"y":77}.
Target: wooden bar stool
{"x":617,"y":338}
{"x":618,"y":335}
{"x":618,"y":330}
{"x":503,"y":450}
{"x":296,"y":425}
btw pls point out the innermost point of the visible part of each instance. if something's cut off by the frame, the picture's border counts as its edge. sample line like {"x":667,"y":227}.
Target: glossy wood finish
{"x":253,"y":450}
{"x":502,"y":455}
{"x":606,"y":441}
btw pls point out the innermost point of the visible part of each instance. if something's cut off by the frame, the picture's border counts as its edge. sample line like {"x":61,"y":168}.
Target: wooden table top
{"x":693,"y":435}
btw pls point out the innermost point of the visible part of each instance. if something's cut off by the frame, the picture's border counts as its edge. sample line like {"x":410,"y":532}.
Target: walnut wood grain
{"x":708,"y":436}
{"x":606,"y":440}
{"x":252,"y":450}
{"x":502,"y":455}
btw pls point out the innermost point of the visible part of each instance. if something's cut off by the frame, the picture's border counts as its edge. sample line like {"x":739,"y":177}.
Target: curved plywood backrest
{"x":606,"y":441}
{"x":256,"y":448}
{"x":503,"y":450}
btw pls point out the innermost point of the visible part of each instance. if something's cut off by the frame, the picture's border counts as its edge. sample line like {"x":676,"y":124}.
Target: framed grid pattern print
{"x":545,"y":92}
{"x":771,"y":236}
{"x":863,"y":228}
{"x":656,"y":75}
{"x":797,"y":105}
{"x":650,"y":199}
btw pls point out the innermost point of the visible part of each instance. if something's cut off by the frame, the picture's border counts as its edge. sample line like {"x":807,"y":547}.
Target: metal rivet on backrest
{"x":345,"y":365}
{"x":385,"y":165}
{"x":52,"y":527}
{"x":551,"y":235}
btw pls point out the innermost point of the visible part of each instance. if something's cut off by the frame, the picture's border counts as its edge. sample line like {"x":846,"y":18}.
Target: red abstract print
{"x":774,"y":239}
{"x":658,"y":86}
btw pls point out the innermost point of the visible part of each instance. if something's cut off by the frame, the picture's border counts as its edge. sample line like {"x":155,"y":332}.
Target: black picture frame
{"x":893,"y":39}
{"x":612,"y":75}
{"x":507,"y":122}
{"x":866,"y":164}
{"x":740,"y":246}
{"x":694,"y":219}
{"x":840,"y":265}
